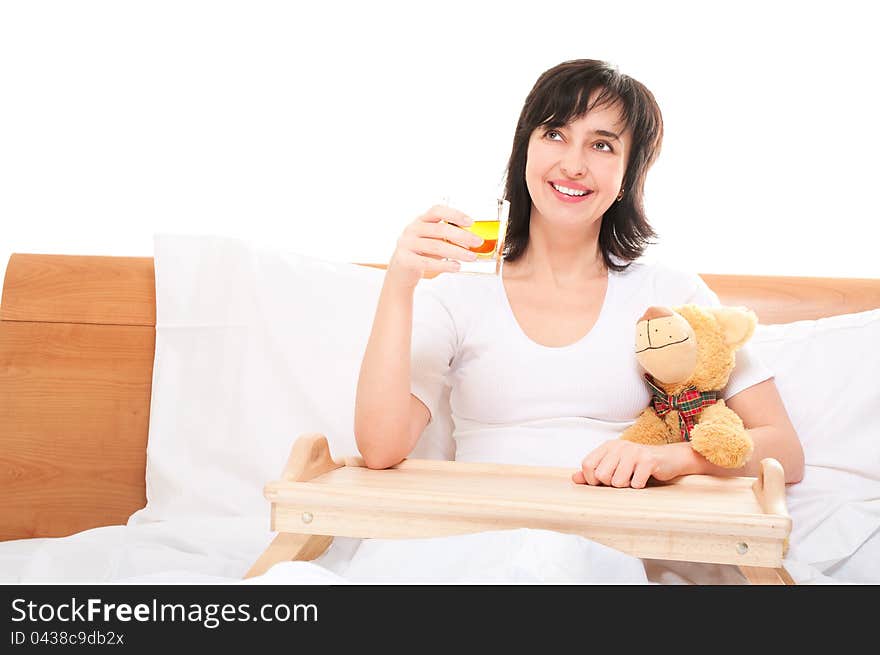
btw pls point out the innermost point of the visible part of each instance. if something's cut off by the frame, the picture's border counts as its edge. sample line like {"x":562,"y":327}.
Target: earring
{"x":620,"y":196}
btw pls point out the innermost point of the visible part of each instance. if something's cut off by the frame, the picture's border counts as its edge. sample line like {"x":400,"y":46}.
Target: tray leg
{"x":763,"y":575}
{"x":289,"y":547}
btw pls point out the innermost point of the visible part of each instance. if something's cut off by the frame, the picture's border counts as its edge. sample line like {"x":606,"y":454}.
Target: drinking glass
{"x":490,"y":224}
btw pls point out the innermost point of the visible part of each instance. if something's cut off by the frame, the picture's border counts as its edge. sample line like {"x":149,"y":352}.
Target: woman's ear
{"x":737,"y":323}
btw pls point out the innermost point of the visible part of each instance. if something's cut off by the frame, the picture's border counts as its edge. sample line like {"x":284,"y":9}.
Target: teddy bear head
{"x":692,"y":345}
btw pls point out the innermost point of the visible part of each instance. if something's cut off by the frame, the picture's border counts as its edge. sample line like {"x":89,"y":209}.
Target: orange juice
{"x":488,"y":231}
{"x":490,"y":223}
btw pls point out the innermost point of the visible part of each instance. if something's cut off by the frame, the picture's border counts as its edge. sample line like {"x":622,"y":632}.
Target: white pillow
{"x":254,"y":347}
{"x":826,"y":371}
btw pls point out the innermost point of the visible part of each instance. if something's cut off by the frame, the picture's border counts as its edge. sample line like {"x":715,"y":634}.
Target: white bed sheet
{"x":191,"y":549}
{"x":220,"y":551}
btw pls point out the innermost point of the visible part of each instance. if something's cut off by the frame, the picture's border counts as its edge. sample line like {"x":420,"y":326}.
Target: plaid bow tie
{"x":689,"y":403}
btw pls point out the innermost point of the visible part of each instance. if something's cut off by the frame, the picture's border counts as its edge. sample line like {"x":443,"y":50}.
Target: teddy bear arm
{"x":648,"y":429}
{"x":720,"y":436}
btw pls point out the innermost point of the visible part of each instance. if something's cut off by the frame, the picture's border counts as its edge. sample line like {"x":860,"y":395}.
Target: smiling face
{"x":586,"y":159}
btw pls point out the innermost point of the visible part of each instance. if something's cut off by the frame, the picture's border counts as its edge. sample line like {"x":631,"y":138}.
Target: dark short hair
{"x":560,"y":95}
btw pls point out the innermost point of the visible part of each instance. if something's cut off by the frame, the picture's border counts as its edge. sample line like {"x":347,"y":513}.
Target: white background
{"x":325,"y":127}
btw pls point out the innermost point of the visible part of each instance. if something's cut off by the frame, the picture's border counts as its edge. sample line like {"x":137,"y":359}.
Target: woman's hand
{"x":429,"y":239}
{"x":621,"y":463}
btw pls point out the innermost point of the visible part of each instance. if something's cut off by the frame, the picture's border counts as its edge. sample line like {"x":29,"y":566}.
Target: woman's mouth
{"x":566,"y":194}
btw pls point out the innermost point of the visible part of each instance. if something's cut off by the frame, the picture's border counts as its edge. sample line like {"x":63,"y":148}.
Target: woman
{"x":539,"y":358}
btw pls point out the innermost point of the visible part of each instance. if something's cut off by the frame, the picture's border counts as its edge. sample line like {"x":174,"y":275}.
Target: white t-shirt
{"x":514,"y":401}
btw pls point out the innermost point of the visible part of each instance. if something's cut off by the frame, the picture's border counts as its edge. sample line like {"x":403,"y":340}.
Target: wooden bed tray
{"x":77,"y":343}
{"x":695,"y":518}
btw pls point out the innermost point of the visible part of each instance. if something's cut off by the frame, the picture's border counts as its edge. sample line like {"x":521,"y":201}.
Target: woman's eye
{"x":609,"y":148}
{"x":549,"y":134}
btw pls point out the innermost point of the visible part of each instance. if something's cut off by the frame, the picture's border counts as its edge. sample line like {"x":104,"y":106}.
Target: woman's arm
{"x":622,"y":463}
{"x":388,"y":418}
{"x":382,"y":412}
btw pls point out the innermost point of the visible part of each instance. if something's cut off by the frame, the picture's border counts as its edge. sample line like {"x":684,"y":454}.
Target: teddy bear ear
{"x":737,"y":323}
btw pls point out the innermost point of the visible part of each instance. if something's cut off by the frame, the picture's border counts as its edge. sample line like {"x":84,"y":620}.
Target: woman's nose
{"x":574,"y":164}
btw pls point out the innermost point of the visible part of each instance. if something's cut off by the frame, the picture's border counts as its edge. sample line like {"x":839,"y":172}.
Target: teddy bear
{"x":688,"y":353}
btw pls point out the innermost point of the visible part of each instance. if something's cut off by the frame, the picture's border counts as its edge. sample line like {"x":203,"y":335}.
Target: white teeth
{"x":567,"y":191}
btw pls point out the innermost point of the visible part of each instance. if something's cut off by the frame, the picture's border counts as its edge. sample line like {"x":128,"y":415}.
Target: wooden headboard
{"x":77,"y":338}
